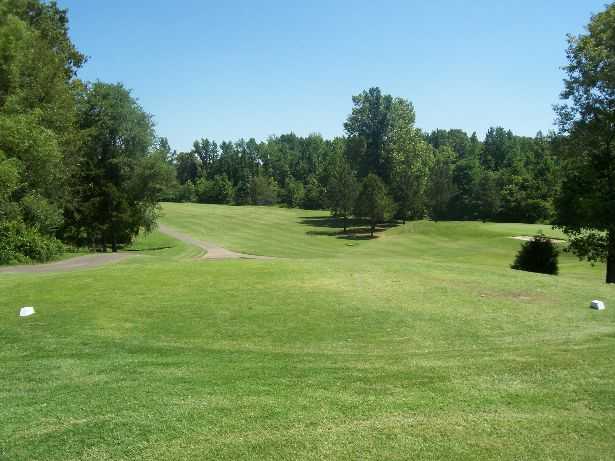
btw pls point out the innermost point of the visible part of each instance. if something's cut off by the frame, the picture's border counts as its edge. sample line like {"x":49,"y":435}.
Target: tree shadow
{"x":147,"y":249}
{"x":357,"y":229}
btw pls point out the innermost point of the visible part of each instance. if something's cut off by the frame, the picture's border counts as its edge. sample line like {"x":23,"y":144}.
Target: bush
{"x":22,"y":244}
{"x":537,"y":255}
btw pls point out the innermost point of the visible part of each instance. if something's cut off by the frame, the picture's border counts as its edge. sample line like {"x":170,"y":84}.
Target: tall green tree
{"x":441,"y":185}
{"x":586,"y":205}
{"x":263,"y":190}
{"x":342,"y":190}
{"x":188,"y":167}
{"x":373,"y":126}
{"x":373,"y":202}
{"x":207,"y":153}
{"x":314,"y":195}
{"x":412,"y":158}
{"x":500,"y":148}
{"x":118,"y":180}
{"x":38,"y":131}
{"x":293,"y":192}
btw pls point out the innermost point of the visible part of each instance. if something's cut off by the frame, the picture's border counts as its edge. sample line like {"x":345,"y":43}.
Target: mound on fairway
{"x":420,"y":344}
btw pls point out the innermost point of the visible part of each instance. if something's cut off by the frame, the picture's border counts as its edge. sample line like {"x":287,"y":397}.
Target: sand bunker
{"x":527,"y":238}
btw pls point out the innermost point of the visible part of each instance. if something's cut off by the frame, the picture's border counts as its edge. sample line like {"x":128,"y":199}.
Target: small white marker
{"x":26,"y":311}
{"x":598,"y":305}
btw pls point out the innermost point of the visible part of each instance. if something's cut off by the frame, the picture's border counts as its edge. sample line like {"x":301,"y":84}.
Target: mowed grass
{"x":419,"y":344}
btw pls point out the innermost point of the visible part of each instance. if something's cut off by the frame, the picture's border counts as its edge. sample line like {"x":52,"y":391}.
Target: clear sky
{"x":231,"y":69}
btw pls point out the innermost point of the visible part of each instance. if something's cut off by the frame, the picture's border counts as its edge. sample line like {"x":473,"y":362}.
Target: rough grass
{"x":419,"y":344}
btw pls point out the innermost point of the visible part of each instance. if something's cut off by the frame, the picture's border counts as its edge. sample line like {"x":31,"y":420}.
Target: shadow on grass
{"x":357,"y":229}
{"x":147,"y":249}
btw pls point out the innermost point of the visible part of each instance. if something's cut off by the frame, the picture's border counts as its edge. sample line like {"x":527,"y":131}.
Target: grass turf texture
{"x":419,"y":344}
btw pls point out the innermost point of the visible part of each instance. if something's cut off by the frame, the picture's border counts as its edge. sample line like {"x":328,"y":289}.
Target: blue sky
{"x":231,"y":69}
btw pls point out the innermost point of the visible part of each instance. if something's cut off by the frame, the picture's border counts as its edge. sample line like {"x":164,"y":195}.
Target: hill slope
{"x":421,"y":343}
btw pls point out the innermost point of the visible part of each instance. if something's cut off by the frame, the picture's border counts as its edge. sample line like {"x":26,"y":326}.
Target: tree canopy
{"x":77,"y":161}
{"x":81,"y":163}
{"x":586,"y":205}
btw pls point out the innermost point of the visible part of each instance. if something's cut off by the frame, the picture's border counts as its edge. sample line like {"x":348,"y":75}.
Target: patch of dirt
{"x":213,"y":251}
{"x":527,"y":238}
{"x":79,"y":262}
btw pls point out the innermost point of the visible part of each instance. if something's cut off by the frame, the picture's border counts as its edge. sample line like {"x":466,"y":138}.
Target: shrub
{"x":537,"y":255}
{"x":21,"y":244}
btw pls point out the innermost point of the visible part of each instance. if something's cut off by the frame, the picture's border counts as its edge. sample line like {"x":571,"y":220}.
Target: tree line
{"x":81,"y":164}
{"x":443,"y":174}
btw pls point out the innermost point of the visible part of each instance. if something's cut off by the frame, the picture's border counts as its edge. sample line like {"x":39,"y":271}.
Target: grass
{"x":420,"y":344}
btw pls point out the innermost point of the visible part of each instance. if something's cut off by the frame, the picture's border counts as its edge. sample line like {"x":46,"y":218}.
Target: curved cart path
{"x":79,"y":262}
{"x":213,"y":251}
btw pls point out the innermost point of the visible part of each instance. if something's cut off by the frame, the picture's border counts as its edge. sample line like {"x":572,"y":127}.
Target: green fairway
{"x":419,"y":344}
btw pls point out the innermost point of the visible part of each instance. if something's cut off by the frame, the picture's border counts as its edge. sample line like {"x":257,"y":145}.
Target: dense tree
{"x":506,"y":177}
{"x":373,"y":202}
{"x":412,"y":158}
{"x":586,"y":206}
{"x":217,"y":190}
{"x":500,"y":148}
{"x":293,"y":193}
{"x":467,"y":174}
{"x":519,"y":174}
{"x":375,"y":123}
{"x":458,"y":140}
{"x":188,"y":167}
{"x":37,"y":64}
{"x":342,"y":190}
{"x":263,"y":190}
{"x":81,"y":162}
{"x":370,"y":121}
{"x":489,"y":196}
{"x":117,"y":182}
{"x":314,"y":195}
{"x":243,"y":193}
{"x":38,"y":130}
{"x":207,"y":152}
{"x":164,"y":157}
{"x":441,"y":187}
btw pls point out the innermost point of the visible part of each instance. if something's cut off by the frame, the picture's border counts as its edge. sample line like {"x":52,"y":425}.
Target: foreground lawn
{"x":419,"y":344}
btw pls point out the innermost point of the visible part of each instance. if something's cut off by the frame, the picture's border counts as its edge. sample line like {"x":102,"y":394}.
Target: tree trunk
{"x":373,"y":228}
{"x":610,"y":257}
{"x":113,"y":240}
{"x":345,"y":223}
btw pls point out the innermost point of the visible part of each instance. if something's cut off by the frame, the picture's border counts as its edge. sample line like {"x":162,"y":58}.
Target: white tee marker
{"x":26,"y":311}
{"x":598,"y":305}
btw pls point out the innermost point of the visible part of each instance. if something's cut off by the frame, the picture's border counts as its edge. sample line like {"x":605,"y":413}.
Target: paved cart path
{"x":79,"y":262}
{"x":214,"y":251}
